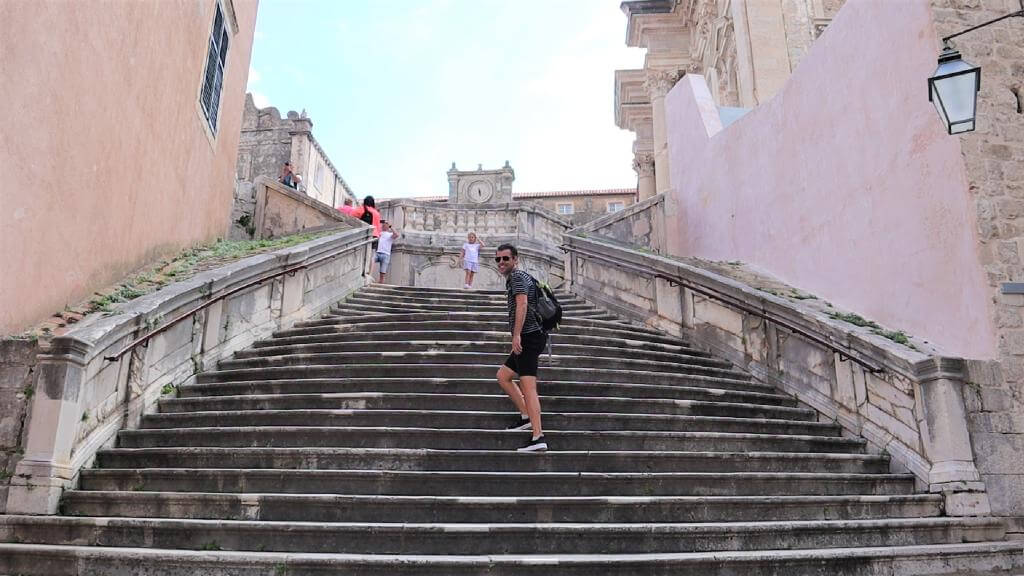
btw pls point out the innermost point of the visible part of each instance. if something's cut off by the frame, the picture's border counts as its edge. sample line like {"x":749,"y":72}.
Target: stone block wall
{"x":17,"y":386}
{"x":994,"y":158}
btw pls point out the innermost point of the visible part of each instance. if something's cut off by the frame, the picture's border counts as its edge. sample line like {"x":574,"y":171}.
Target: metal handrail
{"x":213,"y":300}
{"x":675,"y":280}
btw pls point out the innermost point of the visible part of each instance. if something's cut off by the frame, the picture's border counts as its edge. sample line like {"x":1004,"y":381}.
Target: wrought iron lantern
{"x":954,"y":91}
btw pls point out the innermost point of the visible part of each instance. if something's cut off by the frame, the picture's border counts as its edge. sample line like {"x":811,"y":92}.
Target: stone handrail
{"x":82,"y":400}
{"x":912,"y":408}
{"x":642,"y":224}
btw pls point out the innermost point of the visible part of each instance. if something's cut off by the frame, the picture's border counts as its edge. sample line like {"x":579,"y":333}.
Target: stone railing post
{"x":946,"y":438}
{"x":46,"y":470}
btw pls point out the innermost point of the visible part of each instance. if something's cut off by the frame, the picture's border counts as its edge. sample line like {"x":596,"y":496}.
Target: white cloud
{"x":260,"y":100}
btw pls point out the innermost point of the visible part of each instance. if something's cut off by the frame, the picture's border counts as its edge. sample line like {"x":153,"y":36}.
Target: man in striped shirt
{"x":528,"y":341}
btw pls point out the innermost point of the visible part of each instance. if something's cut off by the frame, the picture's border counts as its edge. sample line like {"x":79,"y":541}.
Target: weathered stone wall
{"x":279,"y":211}
{"x":642,"y":224}
{"x":267,"y":141}
{"x":433,"y":234}
{"x":82,"y":399}
{"x":903,"y":402}
{"x":17,"y":386}
{"x":994,"y":159}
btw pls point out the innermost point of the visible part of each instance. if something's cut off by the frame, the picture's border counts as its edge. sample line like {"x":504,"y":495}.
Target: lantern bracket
{"x":1018,"y":13}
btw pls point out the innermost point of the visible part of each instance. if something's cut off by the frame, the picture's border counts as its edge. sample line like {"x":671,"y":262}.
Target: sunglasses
{"x":502,"y":258}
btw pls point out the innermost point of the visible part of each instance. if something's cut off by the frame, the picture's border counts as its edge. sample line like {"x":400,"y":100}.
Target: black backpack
{"x":549,"y":311}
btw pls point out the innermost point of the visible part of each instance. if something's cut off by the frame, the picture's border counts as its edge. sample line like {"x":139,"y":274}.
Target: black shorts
{"x":525,"y":364}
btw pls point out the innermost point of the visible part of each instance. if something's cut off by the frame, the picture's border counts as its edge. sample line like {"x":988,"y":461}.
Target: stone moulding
{"x":82,"y":400}
{"x":912,"y":409}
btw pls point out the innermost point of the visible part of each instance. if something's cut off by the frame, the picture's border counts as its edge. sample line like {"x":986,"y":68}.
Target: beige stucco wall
{"x":585,"y":208}
{"x":106,"y":158}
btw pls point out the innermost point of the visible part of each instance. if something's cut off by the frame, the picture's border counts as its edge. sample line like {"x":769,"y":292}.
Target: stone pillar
{"x":453,"y":184}
{"x":46,"y":470}
{"x":643,"y":165}
{"x":658,"y":83}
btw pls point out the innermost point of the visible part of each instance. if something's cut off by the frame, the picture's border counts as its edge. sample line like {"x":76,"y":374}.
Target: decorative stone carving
{"x":480,"y":186}
{"x":659,"y":82}
{"x":643,"y":165}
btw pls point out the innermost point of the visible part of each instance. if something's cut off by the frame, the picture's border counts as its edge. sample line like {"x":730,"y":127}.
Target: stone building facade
{"x":994,"y":159}
{"x":746,"y":49}
{"x":574,"y":206}
{"x":120,"y":141}
{"x":268,"y":141}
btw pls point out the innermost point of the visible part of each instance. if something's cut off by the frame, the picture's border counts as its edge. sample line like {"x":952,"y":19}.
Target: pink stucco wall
{"x":104,"y":157}
{"x":845,"y":184}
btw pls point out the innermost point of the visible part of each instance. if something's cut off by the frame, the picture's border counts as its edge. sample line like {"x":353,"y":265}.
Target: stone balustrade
{"x":433,"y":234}
{"x":641,"y":224}
{"x":905,"y":403}
{"x":81,"y":399}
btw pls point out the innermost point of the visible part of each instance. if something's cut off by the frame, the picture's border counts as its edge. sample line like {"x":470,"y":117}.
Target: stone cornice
{"x":629,"y":92}
{"x":635,"y":10}
{"x":659,"y":82}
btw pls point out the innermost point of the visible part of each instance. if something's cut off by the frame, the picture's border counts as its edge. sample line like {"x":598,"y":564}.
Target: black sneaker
{"x":538,"y":445}
{"x":519,"y":424}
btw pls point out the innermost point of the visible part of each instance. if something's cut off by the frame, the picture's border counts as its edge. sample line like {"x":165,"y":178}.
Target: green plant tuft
{"x":855,"y":319}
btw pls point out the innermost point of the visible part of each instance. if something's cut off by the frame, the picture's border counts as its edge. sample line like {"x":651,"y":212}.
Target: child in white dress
{"x":470,"y":257}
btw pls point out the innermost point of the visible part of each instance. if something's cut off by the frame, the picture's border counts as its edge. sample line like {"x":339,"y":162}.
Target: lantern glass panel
{"x":957,"y":94}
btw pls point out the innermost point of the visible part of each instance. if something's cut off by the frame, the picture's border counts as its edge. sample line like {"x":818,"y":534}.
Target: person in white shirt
{"x":470,"y":257}
{"x":383,"y":257}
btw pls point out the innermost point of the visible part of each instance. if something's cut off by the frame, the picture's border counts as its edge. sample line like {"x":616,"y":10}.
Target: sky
{"x":398,"y":90}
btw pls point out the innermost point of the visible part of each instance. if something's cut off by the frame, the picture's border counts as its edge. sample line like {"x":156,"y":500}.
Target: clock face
{"x":479,"y":191}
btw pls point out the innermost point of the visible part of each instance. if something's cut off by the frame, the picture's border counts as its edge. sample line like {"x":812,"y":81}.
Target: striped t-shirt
{"x":520,"y":282}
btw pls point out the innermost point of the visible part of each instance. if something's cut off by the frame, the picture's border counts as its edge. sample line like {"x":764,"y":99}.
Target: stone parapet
{"x":279,"y":210}
{"x":82,"y":399}
{"x":906,"y":404}
{"x":432,"y":235}
{"x":640,"y":224}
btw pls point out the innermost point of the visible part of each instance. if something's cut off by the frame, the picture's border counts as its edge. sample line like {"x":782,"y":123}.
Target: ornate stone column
{"x":643,"y":165}
{"x":658,"y":83}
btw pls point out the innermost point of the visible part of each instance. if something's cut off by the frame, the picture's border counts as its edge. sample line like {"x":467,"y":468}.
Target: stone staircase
{"x":371,"y":442}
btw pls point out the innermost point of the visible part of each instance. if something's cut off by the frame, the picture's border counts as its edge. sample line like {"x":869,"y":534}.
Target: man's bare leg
{"x":505,"y":376}
{"x":528,"y":385}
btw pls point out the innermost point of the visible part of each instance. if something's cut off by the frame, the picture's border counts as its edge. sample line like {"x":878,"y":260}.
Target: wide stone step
{"x":432,"y":438}
{"x":484,"y":403}
{"x":473,"y":321}
{"x":491,"y":461}
{"x":334,"y":325}
{"x":504,"y":483}
{"x":340,"y":508}
{"x":473,"y":539}
{"x":485,"y":420}
{"x":933,"y":560}
{"x":466,"y":345}
{"x":403,"y":337}
{"x":499,"y":303}
{"x":557,"y":359}
{"x":485,"y":386}
{"x":401,"y":306}
{"x":478,"y":371}
{"x":441,"y":292}
{"x":344,"y":312}
{"x":464,"y":298}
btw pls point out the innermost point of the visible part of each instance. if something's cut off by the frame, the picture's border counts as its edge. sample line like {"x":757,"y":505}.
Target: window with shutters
{"x":213,"y":77}
{"x":565,"y":209}
{"x":615,"y":207}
